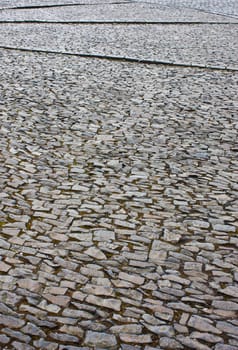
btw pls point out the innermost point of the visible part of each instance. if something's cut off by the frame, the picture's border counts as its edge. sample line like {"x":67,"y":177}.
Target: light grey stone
{"x":100,"y":340}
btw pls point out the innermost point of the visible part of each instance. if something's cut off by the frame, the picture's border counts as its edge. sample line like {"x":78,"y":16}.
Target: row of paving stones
{"x":114,"y":12}
{"x":118,"y":206}
{"x":214,"y":45}
{"x":27,"y":3}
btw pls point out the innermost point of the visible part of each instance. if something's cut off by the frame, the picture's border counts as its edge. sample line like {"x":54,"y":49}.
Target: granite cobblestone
{"x":118,"y":199}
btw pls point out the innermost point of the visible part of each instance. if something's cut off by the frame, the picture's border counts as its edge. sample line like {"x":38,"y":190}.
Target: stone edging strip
{"x":32,"y":7}
{"x":113,"y":22}
{"x":122,"y":59}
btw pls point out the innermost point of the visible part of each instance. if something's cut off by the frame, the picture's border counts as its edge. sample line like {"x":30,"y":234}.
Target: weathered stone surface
{"x":11,"y":322}
{"x":60,"y":300}
{"x":21,"y":346}
{"x":227,"y":327}
{"x":110,"y":303}
{"x":55,"y":290}
{"x":170,"y":343}
{"x":62,"y":337}
{"x":72,"y":313}
{"x":32,"y":329}
{"x":131,"y":278}
{"x":45,"y":345}
{"x":118,"y":180}
{"x":26,"y":283}
{"x":157,"y":256}
{"x":77,"y":331}
{"x":202,"y":324}
{"x":100,"y":340}
{"x":208,"y":337}
{"x":192,"y":344}
{"x":137,"y":339}
{"x":13,"y":334}
{"x":95,"y":253}
{"x":225,"y":347}
{"x":4,"y":244}
{"x":225,"y":305}
{"x":224,"y":228}
{"x":162,"y":330}
{"x":230,"y":290}
{"x":128,"y":328}
{"x":98,"y":290}
{"x":4,"y":339}
{"x":4,"y":267}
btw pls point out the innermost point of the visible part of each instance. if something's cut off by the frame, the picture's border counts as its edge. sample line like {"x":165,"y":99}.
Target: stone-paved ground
{"x":116,"y":12}
{"x":215,"y":45}
{"x":118,"y":204}
{"x":23,"y":3}
{"x":227,"y":8}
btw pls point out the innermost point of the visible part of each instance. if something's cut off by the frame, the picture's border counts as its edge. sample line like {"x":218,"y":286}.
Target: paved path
{"x":119,"y":180}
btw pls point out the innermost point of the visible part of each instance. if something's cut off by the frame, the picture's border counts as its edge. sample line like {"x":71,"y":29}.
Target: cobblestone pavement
{"x":118,"y":190}
{"x":35,"y":3}
{"x":227,"y":8}
{"x":173,"y":44}
{"x":114,"y":12}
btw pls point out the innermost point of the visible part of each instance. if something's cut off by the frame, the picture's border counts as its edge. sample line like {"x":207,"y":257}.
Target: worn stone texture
{"x":118,"y":180}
